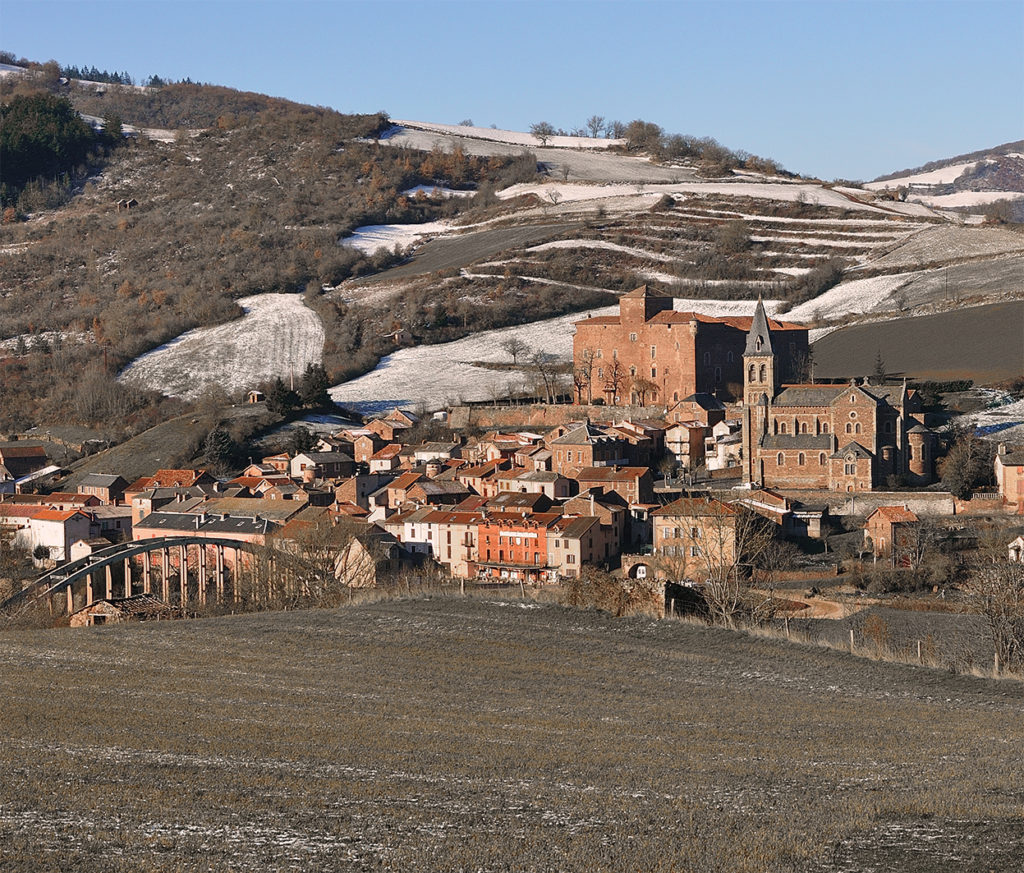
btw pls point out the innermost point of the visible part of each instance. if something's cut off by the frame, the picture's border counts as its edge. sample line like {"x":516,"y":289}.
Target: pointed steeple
{"x":759,"y":339}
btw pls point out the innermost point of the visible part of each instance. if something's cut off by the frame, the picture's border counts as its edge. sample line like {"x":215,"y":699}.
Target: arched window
{"x":707,"y":357}
{"x":764,"y":372}
{"x":821,"y":460}
{"x":856,"y":427}
{"x":803,"y":427}
{"x":751,"y":374}
{"x":853,"y":398}
{"x":800,"y":459}
{"x":849,"y":427}
{"x":782,"y":427}
{"x":730,"y":357}
{"x":780,"y":459}
{"x":824,"y":427}
{"x":718,"y":374}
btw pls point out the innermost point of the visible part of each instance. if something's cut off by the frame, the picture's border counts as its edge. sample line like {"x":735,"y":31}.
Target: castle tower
{"x":641,"y":305}
{"x":760,"y":364}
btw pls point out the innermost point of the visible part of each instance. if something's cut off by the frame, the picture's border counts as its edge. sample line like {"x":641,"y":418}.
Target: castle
{"x":651,"y":353}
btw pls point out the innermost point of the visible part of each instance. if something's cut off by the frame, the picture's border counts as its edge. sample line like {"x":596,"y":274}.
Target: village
{"x":698,"y":455}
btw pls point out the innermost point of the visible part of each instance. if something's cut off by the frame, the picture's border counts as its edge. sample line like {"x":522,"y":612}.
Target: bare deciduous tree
{"x":596,"y":125}
{"x":514,"y":347}
{"x":543,"y":131}
{"x":996,"y":592}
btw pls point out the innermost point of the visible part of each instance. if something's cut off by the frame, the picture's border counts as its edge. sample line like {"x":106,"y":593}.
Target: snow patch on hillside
{"x":436,"y":191}
{"x":512,"y":137}
{"x":965,"y":198}
{"x":371,"y":237}
{"x":277,"y":336}
{"x":941,"y":176}
{"x":601,"y":244}
{"x":855,"y":296}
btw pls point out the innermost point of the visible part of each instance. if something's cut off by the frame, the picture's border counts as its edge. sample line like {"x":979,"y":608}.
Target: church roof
{"x":821,"y":442}
{"x":759,"y":339}
{"x":854,"y":447}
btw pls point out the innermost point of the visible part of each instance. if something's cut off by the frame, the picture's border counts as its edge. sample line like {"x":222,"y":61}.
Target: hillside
{"x":439,"y":734}
{"x":965,"y":181}
{"x":444,"y":231}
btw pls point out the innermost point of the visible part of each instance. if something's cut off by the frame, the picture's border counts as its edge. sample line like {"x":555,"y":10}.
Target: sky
{"x":839,"y":89}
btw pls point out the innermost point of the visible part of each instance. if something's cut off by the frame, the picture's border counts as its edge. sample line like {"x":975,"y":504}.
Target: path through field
{"x":278,"y":335}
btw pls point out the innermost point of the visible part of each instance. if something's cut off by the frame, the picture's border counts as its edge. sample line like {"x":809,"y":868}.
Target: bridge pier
{"x":147,"y":572}
{"x":88,"y":589}
{"x":127,"y":577}
{"x":183,"y":575}
{"x":165,"y":571}
{"x":109,"y":578}
{"x":202,"y":575}
{"x":219,"y":572}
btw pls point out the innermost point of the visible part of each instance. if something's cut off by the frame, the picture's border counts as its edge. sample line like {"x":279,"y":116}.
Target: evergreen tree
{"x":313,"y":386}
{"x":280,"y":399}
{"x":220,"y":451}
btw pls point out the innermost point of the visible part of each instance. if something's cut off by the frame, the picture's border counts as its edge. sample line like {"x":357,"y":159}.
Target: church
{"x":851,"y":437}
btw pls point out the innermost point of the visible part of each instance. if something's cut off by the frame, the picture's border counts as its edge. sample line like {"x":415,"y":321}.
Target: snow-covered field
{"x":512,"y":137}
{"x":964,"y":198}
{"x":1004,"y":420}
{"x":436,"y":191}
{"x":47,"y":336}
{"x":601,"y":244}
{"x":436,"y":376}
{"x":371,"y":237}
{"x":277,"y":336}
{"x":852,"y":297}
{"x":942,"y":176}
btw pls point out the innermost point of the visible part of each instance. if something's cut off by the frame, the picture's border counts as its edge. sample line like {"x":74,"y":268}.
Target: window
{"x":888,"y":427}
{"x":570,"y":559}
{"x":600,"y":353}
{"x":849,"y":427}
{"x":803,"y":427}
{"x":600,"y":372}
{"x":850,"y":469}
{"x":758,"y":343}
{"x":707,"y":357}
{"x":730,"y":357}
{"x":615,"y":353}
{"x":632,"y":371}
{"x":675,"y":395}
{"x":821,"y":459}
{"x":751,"y":373}
{"x":782,"y":427}
{"x":853,"y":415}
{"x":780,"y":459}
{"x":632,"y":337}
{"x":764,"y":373}
{"x":856,"y":427}
{"x":800,"y":459}
{"x":718,"y":375}
{"x":654,"y":352}
{"x":694,"y":551}
{"x":824,"y":427}
{"x":695,"y":533}
{"x":654,"y":372}
{"x":853,"y":398}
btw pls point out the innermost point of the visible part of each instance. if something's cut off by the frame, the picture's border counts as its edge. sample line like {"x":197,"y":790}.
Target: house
{"x":886,"y":527}
{"x":1009,"y":472}
{"x":386,"y":459}
{"x":21,"y":459}
{"x":357,"y":489}
{"x":54,"y":531}
{"x":513,"y":547}
{"x":694,"y":538}
{"x":388,"y":430}
{"x":851,"y":437}
{"x":649,"y":353}
{"x":702,"y":407}
{"x":684,"y":442}
{"x":371,"y":556}
{"x":585,"y":445}
{"x":1015,"y":550}
{"x":255,"y":396}
{"x":177,"y":479}
{"x":529,"y":481}
{"x":633,"y":484}
{"x":309,"y":466}
{"x":483,"y":478}
{"x":519,"y":502}
{"x":444,"y":493}
{"x":575,"y":541}
{"x":119,"y":610}
{"x":109,"y":488}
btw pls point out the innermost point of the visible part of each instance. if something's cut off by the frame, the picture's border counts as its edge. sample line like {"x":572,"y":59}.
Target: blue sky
{"x":829,"y":88}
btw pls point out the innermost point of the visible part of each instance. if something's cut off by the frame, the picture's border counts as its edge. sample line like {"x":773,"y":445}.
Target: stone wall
{"x":544,"y":416}
{"x":865,"y":502}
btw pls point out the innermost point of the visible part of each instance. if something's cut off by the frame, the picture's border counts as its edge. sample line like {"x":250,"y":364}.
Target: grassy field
{"x":983,"y":343}
{"x":494,"y":736}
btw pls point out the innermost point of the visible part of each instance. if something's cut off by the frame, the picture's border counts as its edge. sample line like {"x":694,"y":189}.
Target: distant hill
{"x":965,"y":181}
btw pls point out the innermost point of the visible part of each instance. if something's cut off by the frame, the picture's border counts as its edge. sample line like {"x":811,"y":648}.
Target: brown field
{"x":983,"y":343}
{"x":442,"y":734}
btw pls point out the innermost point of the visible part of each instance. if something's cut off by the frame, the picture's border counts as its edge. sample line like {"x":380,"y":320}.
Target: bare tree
{"x":544,"y":364}
{"x":596,"y":125}
{"x":996,"y":592}
{"x":513,"y":346}
{"x":642,"y":387}
{"x":615,"y":378}
{"x":582,"y":376}
{"x":543,"y":131}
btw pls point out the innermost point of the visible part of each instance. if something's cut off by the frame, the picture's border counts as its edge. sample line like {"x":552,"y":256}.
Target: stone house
{"x":885,"y":528}
{"x":1009,"y":473}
